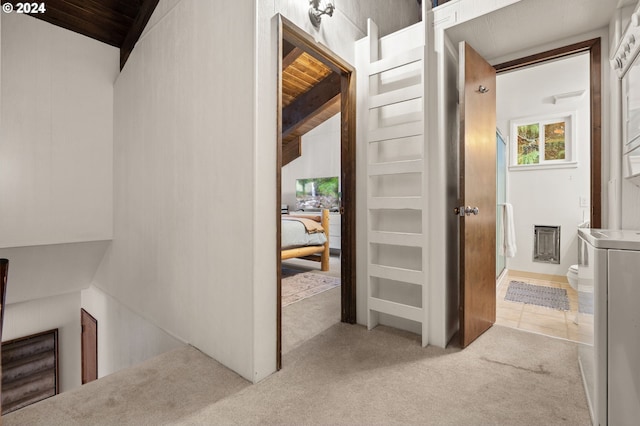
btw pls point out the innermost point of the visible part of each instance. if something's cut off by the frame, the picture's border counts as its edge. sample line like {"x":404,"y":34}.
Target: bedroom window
{"x":543,"y":142}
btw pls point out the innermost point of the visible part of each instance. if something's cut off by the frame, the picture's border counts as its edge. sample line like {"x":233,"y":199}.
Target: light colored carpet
{"x":345,"y":375}
{"x":297,"y":285}
{"x":309,"y":317}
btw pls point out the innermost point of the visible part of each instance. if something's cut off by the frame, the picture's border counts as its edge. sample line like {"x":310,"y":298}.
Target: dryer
{"x":609,"y":314}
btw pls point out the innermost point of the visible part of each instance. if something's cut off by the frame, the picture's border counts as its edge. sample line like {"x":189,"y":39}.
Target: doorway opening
{"x":89,"y":346}
{"x":331,"y":89}
{"x":579,"y":203}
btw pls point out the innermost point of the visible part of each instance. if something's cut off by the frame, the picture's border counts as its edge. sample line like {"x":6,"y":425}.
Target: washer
{"x":609,"y":316}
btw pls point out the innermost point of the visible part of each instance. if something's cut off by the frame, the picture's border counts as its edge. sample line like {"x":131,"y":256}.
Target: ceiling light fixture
{"x":315,"y":14}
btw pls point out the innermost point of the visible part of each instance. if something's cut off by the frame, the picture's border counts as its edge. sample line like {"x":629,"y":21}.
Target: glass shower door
{"x":501,"y":198}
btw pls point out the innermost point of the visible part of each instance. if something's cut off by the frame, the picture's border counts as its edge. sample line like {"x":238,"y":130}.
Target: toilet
{"x":572,"y":273}
{"x":572,"y":276}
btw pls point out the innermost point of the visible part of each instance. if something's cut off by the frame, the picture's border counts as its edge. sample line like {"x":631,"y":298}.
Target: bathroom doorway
{"x":573,"y":188}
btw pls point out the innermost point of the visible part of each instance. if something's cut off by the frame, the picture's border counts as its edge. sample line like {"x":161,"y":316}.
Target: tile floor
{"x":539,"y":319}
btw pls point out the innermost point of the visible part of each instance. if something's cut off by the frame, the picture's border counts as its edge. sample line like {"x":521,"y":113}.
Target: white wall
{"x":57,"y":114}
{"x":183,"y":179}
{"x":47,"y":270}
{"x":55,"y":176}
{"x":547,"y":196}
{"x":124,"y":337}
{"x":61,"y":312}
{"x":320,"y":158}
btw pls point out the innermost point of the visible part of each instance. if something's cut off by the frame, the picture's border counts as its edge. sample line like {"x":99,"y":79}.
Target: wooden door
{"x":89,"y":347}
{"x":477,"y":92}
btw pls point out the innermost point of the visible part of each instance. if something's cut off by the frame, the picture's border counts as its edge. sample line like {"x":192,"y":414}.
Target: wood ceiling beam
{"x":291,"y":149}
{"x":146,"y":10}
{"x":310,"y":103}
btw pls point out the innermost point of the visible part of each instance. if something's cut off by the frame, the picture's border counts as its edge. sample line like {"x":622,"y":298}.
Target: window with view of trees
{"x":542,"y":142}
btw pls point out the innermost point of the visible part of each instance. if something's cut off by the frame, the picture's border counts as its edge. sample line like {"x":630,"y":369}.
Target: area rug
{"x":297,"y":285}
{"x":550,"y":297}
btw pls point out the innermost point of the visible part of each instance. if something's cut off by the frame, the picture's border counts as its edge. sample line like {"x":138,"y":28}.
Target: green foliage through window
{"x":542,"y":141}
{"x":554,"y":142}
{"x":529,"y":144}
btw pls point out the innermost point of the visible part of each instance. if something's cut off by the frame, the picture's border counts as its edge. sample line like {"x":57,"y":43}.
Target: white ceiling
{"x":531,"y":23}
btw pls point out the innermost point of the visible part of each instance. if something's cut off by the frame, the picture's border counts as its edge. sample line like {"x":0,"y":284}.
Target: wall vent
{"x":546,"y":244}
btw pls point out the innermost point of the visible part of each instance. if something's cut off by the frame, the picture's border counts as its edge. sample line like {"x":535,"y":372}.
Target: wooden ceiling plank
{"x":295,"y":86}
{"x":309,"y":64}
{"x":310,"y":102}
{"x":128,"y":8}
{"x":306,"y":78}
{"x":85,"y":18}
{"x":146,"y":10}
{"x":92,"y":9}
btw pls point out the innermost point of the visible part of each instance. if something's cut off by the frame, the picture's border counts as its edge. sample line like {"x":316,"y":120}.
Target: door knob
{"x":462,"y":210}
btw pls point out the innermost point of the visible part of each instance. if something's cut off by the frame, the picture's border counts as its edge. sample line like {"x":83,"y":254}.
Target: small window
{"x":543,"y":142}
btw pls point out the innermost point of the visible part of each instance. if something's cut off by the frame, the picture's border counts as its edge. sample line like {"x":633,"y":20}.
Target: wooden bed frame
{"x":315,"y":253}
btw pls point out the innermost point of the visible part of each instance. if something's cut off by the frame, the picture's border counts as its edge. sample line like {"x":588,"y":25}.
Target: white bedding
{"x":294,"y":234}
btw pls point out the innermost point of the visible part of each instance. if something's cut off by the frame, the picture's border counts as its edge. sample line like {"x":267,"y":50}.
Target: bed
{"x":306,"y":236}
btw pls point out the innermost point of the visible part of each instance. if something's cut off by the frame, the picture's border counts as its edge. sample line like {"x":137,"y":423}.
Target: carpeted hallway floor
{"x":344,"y":375}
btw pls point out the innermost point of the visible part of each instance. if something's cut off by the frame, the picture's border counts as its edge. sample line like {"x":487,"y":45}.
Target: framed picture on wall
{"x":541,"y":142}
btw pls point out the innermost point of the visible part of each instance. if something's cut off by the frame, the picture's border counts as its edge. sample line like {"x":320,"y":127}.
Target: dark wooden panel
{"x":478,"y":189}
{"x":312,"y":102}
{"x":29,"y":370}
{"x":291,"y":149}
{"x":32,"y":388}
{"x":89,"y":347}
{"x":143,"y":16}
{"x":348,"y":199}
{"x":4,"y":273}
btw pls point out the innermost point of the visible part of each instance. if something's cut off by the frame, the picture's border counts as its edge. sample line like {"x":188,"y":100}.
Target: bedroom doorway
{"x":332,"y":92}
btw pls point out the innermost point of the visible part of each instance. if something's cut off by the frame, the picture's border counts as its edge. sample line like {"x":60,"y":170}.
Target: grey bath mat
{"x":550,"y":297}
